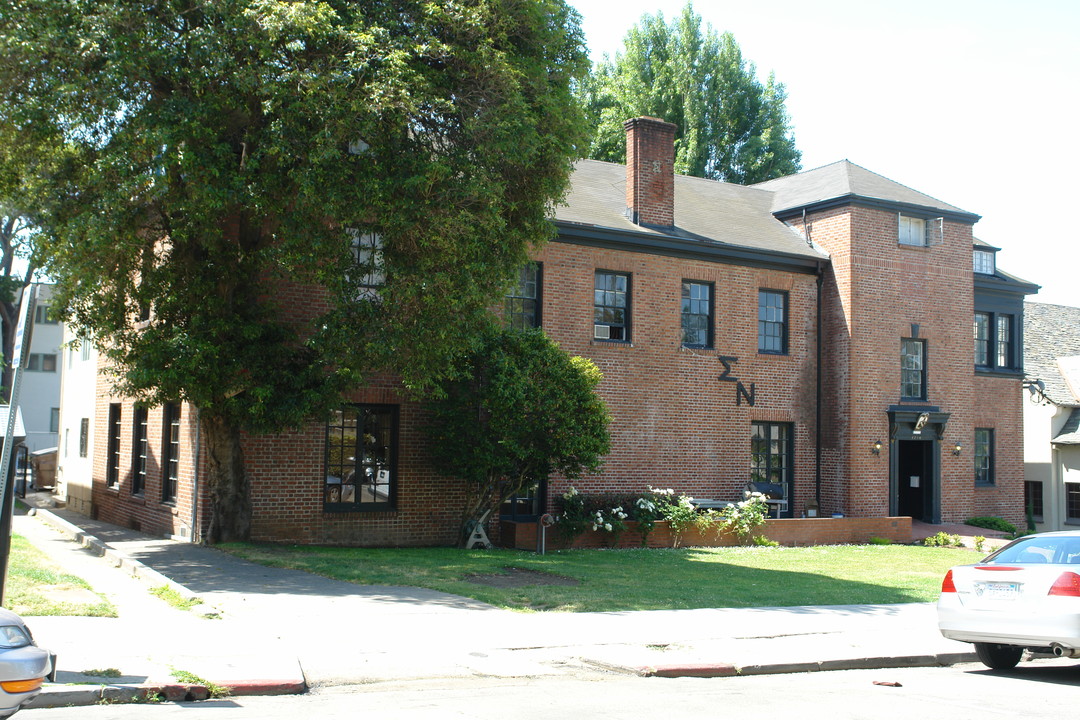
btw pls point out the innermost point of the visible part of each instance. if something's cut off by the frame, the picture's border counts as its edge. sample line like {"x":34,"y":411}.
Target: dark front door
{"x":914,"y":481}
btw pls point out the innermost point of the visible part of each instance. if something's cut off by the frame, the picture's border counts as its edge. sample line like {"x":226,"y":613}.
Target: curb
{"x":708,"y":670}
{"x":71,"y":696}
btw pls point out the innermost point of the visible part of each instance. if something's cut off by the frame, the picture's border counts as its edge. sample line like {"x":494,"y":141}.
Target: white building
{"x":39,"y":394}
{"x":75,"y":456}
{"x":1052,"y":417}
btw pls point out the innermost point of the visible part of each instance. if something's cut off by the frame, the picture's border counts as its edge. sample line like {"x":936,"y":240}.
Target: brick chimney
{"x":650,"y":171}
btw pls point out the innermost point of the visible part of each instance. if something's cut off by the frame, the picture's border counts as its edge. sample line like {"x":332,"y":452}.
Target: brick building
{"x":814,"y":331}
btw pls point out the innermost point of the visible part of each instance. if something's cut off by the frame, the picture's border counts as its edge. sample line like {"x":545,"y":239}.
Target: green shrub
{"x":943,"y":539}
{"x":879,"y":541}
{"x":992,"y":523}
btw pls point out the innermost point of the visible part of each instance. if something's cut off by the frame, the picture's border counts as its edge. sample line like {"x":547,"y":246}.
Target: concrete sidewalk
{"x":269,"y":631}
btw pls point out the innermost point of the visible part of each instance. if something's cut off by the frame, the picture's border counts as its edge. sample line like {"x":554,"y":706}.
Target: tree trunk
{"x":227,"y":481}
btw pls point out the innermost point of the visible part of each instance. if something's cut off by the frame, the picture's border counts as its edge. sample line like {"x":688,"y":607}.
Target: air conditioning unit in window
{"x":601,"y":332}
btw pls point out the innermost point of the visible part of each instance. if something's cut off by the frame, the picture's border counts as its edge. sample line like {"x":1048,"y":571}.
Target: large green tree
{"x":205,"y":168}
{"x":517,"y":410}
{"x":730,"y":126}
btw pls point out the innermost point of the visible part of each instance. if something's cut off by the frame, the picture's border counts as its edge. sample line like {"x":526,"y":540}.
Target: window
{"x":1004,"y":341}
{"x":771,"y":454}
{"x":112,"y":468}
{"x":84,"y":437}
{"x":361,"y":458}
{"x":525,"y":505}
{"x":43,"y":315}
{"x":982,"y":339}
{"x":170,"y":451}
{"x":523,"y":302}
{"x":984,"y":456}
{"x":995,"y":341}
{"x":912,"y":230}
{"x":697,"y":314}
{"x":41,"y":362}
{"x":54,"y":420}
{"x":367,"y":253}
{"x":1033,"y":499}
{"x":772,"y":322}
{"x":913,"y":369}
{"x":984,"y":262}
{"x":1072,"y":502}
{"x":139,"y":453}
{"x":611,"y":306}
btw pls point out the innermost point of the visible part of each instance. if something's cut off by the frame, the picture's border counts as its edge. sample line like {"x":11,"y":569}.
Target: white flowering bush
{"x":744,"y":517}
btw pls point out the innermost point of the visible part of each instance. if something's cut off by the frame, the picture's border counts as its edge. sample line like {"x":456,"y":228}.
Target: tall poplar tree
{"x":254,"y":204}
{"x":730,"y":126}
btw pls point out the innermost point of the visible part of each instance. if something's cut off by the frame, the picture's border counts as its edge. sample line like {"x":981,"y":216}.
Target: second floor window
{"x":523,"y":301}
{"x":995,"y":341}
{"x":41,"y":362}
{"x":611,"y":306}
{"x":772,"y":322}
{"x":367,"y":254}
{"x":983,"y":262}
{"x":913,"y":369}
{"x":697,"y":314}
{"x":912,"y":231}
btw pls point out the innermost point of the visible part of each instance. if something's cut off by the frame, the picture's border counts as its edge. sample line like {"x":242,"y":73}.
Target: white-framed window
{"x":367,"y":253}
{"x":983,"y":262}
{"x":912,"y":230}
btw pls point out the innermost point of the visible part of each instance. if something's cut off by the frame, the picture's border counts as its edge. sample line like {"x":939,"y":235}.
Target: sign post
{"x":23,"y":334}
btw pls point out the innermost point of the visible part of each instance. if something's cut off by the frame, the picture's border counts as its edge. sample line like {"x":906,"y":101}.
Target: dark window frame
{"x":686,"y":319}
{"x":140,"y":449}
{"x":368,"y":460}
{"x":1072,"y":503}
{"x":54,"y":420}
{"x":523,"y":310}
{"x":42,"y":362}
{"x":112,"y":467}
{"x":984,"y":457}
{"x":768,"y":465}
{"x":600,"y":314}
{"x":84,"y":437}
{"x":170,"y":452}
{"x":908,"y":373}
{"x":993,"y":351}
{"x":1034,"y":499}
{"x":771,"y":341}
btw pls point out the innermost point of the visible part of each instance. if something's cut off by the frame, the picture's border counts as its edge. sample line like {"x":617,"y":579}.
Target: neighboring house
{"x":39,"y":392}
{"x":1052,"y":415}
{"x":78,"y":398}
{"x":813,"y":331}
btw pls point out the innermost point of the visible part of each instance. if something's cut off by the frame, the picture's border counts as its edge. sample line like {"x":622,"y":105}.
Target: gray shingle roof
{"x":1051,"y":349}
{"x":845,"y":179}
{"x":709,"y":211}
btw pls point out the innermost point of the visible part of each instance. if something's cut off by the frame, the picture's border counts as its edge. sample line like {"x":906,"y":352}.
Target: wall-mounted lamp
{"x":957,"y":448}
{"x":876,"y":448}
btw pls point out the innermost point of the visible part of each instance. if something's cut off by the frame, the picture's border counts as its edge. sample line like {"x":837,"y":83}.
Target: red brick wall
{"x":674,"y":423}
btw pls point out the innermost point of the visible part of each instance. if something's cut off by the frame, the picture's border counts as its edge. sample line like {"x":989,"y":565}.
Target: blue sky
{"x":973,"y":102}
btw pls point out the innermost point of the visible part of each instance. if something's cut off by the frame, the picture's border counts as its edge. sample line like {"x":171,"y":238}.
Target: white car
{"x":1024,"y":596}
{"x":23,"y":665}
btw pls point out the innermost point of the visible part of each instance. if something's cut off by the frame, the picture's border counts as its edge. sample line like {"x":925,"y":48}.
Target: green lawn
{"x":613,"y":580}
{"x":34,"y":586}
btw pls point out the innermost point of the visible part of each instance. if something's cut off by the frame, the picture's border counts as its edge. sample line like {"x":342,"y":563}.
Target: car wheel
{"x":998,"y":657}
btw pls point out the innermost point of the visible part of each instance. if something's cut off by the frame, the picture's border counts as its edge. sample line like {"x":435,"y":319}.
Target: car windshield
{"x":1062,"y":550}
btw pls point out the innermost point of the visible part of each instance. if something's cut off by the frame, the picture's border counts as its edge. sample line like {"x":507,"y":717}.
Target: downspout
{"x":196,"y":535}
{"x":818,"y":392}
{"x":818,"y":374}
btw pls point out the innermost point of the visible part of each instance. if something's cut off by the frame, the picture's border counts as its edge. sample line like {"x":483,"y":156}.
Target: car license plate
{"x":998,"y":590}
